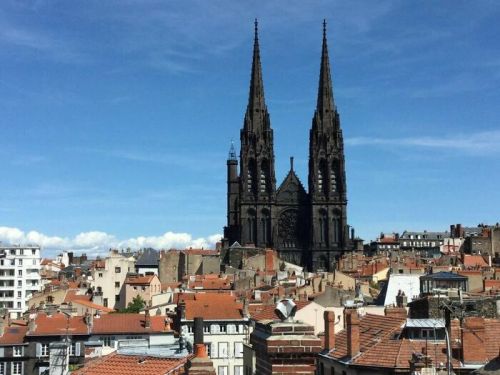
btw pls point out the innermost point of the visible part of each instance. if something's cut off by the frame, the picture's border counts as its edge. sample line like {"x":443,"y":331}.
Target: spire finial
{"x":256,"y":29}
{"x":291,"y":163}
{"x":324,"y":28}
{"x":232,"y":152}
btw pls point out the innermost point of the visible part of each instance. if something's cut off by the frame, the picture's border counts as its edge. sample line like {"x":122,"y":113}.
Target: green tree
{"x":135,"y":306}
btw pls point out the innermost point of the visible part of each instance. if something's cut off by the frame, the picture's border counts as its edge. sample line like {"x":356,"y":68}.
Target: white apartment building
{"x":225,"y":329}
{"x":108,"y":278}
{"x":19,"y":277}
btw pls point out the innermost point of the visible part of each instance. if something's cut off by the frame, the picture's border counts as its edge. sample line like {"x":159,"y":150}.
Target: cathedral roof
{"x":291,"y":188}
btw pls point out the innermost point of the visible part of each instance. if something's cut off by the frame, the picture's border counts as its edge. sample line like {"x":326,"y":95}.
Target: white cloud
{"x":478,"y":143}
{"x":96,"y":242}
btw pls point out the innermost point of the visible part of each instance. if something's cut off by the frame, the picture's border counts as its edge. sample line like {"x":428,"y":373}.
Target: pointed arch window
{"x":322,"y":176}
{"x":323,"y":228}
{"x":252,"y":227}
{"x":264,"y":180}
{"x":251,"y":177}
{"x":336,"y":229}
{"x":266,"y":227}
{"x":333,"y":178}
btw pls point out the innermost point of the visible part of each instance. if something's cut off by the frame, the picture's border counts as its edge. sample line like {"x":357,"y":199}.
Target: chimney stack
{"x":329,"y":317}
{"x":352,"y":328}
{"x":201,"y":363}
{"x":147,"y":319}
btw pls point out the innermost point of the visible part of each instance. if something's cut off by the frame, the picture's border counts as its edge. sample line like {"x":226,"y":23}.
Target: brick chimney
{"x":201,"y":363}
{"x":352,"y":329}
{"x":269,"y":259}
{"x":473,"y":336}
{"x":285,"y":348}
{"x":329,"y":317}
{"x":147,"y":319}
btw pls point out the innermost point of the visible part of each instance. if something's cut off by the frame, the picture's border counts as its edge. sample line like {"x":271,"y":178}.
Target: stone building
{"x":308,"y":228}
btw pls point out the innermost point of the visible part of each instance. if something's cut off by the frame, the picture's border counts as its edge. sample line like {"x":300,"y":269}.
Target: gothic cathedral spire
{"x":325,"y":103}
{"x":256,"y":101}
{"x":327,"y":182}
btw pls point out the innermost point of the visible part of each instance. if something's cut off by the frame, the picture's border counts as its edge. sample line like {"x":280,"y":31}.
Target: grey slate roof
{"x":149,"y":257}
{"x":443,"y":276}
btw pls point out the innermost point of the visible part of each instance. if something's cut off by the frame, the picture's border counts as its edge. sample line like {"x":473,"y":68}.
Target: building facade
{"x":108,"y":277}
{"x":19,"y":277}
{"x":306,"y":227}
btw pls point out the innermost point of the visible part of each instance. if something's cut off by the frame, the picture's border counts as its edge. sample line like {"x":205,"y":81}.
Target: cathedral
{"x":308,"y":228}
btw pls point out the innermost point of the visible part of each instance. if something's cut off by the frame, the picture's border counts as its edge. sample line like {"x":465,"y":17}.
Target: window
{"x":223,"y":350}
{"x":231,"y":328}
{"x":223,"y":370}
{"x":74,"y":349}
{"x":238,"y":350}
{"x":117,"y":298}
{"x":223,"y":328}
{"x":44,"y":350}
{"x":19,"y":294}
{"x":105,"y":302}
{"x":117,"y":284}
{"x":208,"y":347}
{"x":2,"y":368}
{"x":238,"y":370}
{"x":206,"y":328}
{"x":107,"y":340}
{"x":20,"y":262}
{"x":118,"y":270}
{"x":34,"y":262}
{"x":16,"y":368}
{"x":99,"y":274}
{"x":20,"y":273}
{"x":214,"y":328}
{"x":19,"y":306}
{"x":17,"y":351}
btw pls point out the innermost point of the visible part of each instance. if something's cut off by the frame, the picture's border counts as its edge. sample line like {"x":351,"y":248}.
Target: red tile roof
{"x":119,"y":364}
{"x":380,"y":346}
{"x":91,"y":305}
{"x":13,"y":335}
{"x":372,"y":329}
{"x":474,"y":261}
{"x":109,"y":323}
{"x":74,"y":295}
{"x":213,"y":306}
{"x":262,"y":312}
{"x":139,"y":280}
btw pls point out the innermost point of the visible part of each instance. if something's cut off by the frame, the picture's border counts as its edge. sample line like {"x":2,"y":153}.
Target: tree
{"x":135,"y":306}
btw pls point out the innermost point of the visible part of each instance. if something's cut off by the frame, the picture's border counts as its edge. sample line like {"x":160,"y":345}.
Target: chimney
{"x":269,"y":259}
{"x":352,"y":328}
{"x":31,"y":325}
{"x":198,"y":330}
{"x":147,"y":319}
{"x":200,"y":363}
{"x":329,"y":317}
{"x":3,"y":320}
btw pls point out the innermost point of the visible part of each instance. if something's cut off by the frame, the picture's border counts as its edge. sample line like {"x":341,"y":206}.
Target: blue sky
{"x":116,"y":116}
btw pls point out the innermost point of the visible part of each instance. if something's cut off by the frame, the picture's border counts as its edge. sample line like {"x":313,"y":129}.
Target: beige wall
{"x":145,"y":291}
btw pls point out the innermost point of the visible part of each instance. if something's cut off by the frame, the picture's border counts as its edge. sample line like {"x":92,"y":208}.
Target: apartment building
{"x":108,"y":278}
{"x":225,"y":328}
{"x":19,"y":277}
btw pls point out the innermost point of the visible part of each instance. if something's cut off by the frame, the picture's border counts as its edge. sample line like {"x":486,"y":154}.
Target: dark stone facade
{"x":308,"y":228}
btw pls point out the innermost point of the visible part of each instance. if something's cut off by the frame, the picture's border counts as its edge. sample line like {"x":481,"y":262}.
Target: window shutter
{"x":77,"y":349}
{"x":38,"y":349}
{"x":214,"y":350}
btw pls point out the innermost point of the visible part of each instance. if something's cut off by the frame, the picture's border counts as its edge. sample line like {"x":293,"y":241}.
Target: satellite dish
{"x":286,"y":309}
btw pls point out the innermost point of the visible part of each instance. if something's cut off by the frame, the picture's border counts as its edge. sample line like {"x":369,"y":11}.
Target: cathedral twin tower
{"x":306,"y":228}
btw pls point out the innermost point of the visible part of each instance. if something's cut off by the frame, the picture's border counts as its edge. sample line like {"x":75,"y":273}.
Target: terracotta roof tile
{"x":213,"y":306}
{"x":119,"y":364}
{"x":139,"y":280}
{"x":264,"y":312}
{"x":109,"y":323}
{"x":92,"y":305}
{"x":13,"y":335}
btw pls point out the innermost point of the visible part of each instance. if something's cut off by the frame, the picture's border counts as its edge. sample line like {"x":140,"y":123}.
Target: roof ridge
{"x":291,"y":172}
